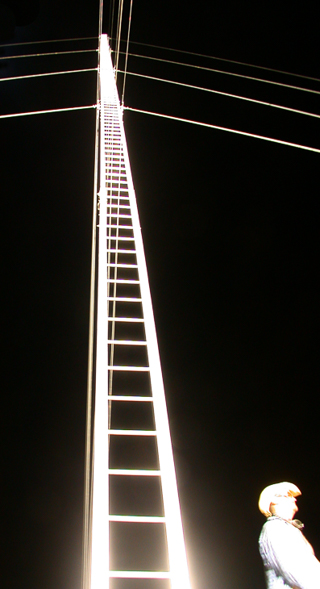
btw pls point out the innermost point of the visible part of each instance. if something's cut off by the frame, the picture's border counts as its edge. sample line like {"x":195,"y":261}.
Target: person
{"x":288,"y":557}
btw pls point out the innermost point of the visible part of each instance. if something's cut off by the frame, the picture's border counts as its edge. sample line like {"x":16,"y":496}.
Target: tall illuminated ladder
{"x":137,"y":536}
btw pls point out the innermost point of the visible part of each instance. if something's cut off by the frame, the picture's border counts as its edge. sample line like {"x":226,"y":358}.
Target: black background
{"x":230,"y":228}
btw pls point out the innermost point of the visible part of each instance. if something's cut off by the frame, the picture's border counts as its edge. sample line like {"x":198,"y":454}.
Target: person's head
{"x":279,"y":499}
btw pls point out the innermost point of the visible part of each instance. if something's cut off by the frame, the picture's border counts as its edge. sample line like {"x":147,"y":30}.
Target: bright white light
{"x":100,"y":573}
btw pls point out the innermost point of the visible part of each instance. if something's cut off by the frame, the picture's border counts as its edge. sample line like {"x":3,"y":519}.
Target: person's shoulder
{"x":273,"y":520}
{"x":275,"y":525}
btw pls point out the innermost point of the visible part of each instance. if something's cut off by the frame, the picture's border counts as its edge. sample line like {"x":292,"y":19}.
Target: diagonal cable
{"x":227,"y":94}
{"x":92,"y":69}
{"x":127,"y":51}
{"x":208,"y":69}
{"x":119,"y":26}
{"x":236,"y":131}
{"x":47,"y":54}
{"x":48,"y":41}
{"x":260,"y":67}
{"x":45,"y":112}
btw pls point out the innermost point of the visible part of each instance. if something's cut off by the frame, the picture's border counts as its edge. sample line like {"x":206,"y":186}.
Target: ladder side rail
{"x":100,"y":502}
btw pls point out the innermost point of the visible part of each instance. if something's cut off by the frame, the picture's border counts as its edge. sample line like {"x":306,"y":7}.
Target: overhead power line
{"x":227,"y":94}
{"x":92,"y":69}
{"x":127,"y":51}
{"x":46,"y":54}
{"x":45,"y":112}
{"x":111,"y":17}
{"x":208,"y":69}
{"x":236,"y":131}
{"x":47,"y":41}
{"x":119,"y":25}
{"x":260,"y":67}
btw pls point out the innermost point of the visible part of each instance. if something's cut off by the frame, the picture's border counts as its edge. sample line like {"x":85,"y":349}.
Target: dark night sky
{"x":230,"y":227}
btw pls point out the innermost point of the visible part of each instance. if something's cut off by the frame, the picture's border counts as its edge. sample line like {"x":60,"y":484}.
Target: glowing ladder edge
{"x":178,"y":573}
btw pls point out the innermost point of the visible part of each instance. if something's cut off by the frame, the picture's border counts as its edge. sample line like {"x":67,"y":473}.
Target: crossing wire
{"x":47,"y":41}
{"x":227,"y":94}
{"x":242,"y":63}
{"x":92,"y":69}
{"x":46,"y":54}
{"x":127,"y":51}
{"x":119,"y":26}
{"x":236,"y":131}
{"x":111,"y":17}
{"x":45,"y":112}
{"x":207,"y":69}
{"x":260,"y":67}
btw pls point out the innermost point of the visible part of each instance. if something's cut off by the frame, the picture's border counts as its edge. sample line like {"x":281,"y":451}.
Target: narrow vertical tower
{"x":137,"y":536}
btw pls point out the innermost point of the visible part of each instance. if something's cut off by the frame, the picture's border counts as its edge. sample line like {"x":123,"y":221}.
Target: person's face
{"x":285,"y":507}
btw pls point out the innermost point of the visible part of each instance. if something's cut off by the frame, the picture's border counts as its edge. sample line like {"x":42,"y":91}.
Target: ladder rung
{"x":139,"y":575}
{"x":115,"y":175}
{"x":114,"y":251}
{"x":116,"y":210}
{"x":115,"y":172}
{"x":112,"y":265}
{"x":116,"y":193}
{"x":117,"y":216}
{"x":119,"y":227}
{"x":114,"y":201}
{"x":126,"y":319}
{"x":129,"y":398}
{"x":124,"y":299}
{"x":143,"y":519}
{"x":129,"y":368}
{"x":112,"y":188}
{"x":134,"y":472}
{"x":110,"y":202}
{"x":116,"y":168}
{"x":123,"y":281}
{"x":116,"y":186}
{"x":116,"y":206}
{"x":126,"y":342}
{"x":118,"y":237}
{"x":131,"y":432}
{"x":119,"y":197}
